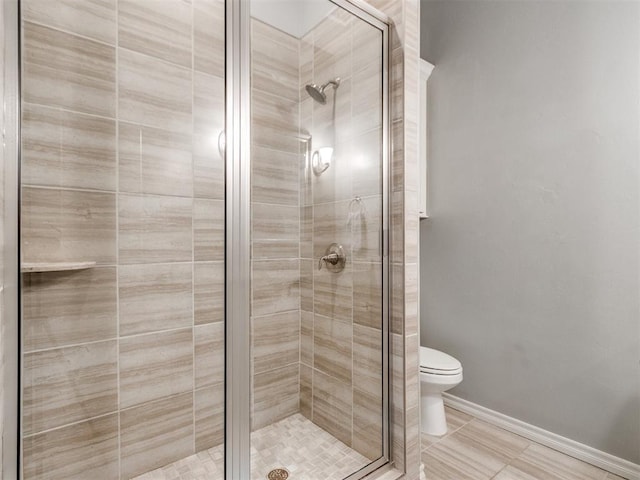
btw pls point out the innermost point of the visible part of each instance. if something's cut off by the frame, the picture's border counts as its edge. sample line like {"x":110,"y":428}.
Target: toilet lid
{"x":435,"y":360}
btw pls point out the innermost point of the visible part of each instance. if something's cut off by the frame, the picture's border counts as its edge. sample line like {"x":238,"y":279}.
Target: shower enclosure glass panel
{"x":122,"y":237}
{"x":318,"y":188}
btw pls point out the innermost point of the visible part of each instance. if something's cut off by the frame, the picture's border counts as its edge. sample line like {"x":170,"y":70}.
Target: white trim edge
{"x":606,"y":461}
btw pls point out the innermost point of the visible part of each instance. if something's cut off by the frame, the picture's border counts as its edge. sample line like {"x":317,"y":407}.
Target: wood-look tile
{"x":306,"y":284}
{"x":74,"y":452}
{"x":455,"y":420}
{"x":67,"y":308}
{"x":306,"y":390}
{"x":209,"y":354}
{"x":275,"y":341}
{"x":154,"y":297}
{"x":366,"y":231}
{"x":209,"y":36}
{"x":67,"y":71}
{"x":538,"y":461}
{"x":367,"y":98}
{"x":155,"y":434}
{"x":367,"y":424}
{"x":332,"y":347}
{"x":153,"y":92}
{"x":154,"y":229}
{"x":208,"y":168}
{"x":209,"y":417}
{"x":95,"y":19}
{"x":208,"y":105}
{"x":331,"y":58}
{"x":208,"y":230}
{"x":268,"y":137}
{"x":274,"y":176}
{"x":332,"y":406}
{"x":306,"y":338}
{"x":275,"y":395}
{"x":367,"y":294}
{"x":160,"y":28}
{"x":333,"y":293}
{"x":275,"y":286}
{"x":274,"y":61}
{"x":335,"y":128}
{"x":367,"y":360}
{"x":69,"y":384}
{"x":366,"y":175}
{"x":67,"y":149}
{"x":155,"y":365}
{"x":275,"y":231}
{"x":367,"y":42}
{"x":208,"y":295}
{"x":68,"y":226}
{"x":306,"y":232}
{"x":330,"y":224}
{"x":476,"y":449}
{"x":436,"y":468}
{"x":150,"y":161}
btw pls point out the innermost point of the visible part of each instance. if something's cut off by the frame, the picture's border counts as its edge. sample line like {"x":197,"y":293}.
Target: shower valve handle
{"x":332,"y":258}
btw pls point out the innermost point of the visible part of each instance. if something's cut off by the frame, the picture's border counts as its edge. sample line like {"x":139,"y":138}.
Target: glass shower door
{"x":122,"y":238}
{"x":318,"y":273}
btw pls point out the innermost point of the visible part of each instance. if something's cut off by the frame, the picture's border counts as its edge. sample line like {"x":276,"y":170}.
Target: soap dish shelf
{"x":55,"y":266}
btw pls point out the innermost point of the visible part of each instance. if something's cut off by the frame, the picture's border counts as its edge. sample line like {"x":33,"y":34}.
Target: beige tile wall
{"x":275,"y":225}
{"x":124,"y":362}
{"x":341,"y":335}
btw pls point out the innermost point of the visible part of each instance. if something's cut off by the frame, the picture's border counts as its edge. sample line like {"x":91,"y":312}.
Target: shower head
{"x":317,"y":93}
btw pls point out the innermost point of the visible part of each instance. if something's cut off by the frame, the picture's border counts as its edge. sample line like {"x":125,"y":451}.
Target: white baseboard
{"x":610,"y":463}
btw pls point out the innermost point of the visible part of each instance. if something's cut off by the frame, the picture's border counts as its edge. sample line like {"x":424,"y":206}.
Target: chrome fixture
{"x":321,"y":160}
{"x":334,"y":258}
{"x":317,"y":93}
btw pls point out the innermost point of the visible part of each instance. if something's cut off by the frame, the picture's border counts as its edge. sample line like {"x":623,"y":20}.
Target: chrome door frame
{"x":238,"y":233}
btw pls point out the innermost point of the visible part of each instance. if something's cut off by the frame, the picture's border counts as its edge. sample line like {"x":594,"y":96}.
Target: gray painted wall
{"x":530,"y":268}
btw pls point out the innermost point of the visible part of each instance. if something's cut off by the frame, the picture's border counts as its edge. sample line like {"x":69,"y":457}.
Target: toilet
{"x":439,"y":372}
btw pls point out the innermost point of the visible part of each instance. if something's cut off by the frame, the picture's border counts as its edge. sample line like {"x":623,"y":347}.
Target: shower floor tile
{"x":295,"y":443}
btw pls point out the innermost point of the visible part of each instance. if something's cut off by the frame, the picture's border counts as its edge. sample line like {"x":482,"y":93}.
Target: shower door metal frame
{"x":238,"y":234}
{"x":10,"y":338}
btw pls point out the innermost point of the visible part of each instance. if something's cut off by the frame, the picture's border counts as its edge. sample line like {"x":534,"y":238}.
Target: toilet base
{"x":432,"y":416}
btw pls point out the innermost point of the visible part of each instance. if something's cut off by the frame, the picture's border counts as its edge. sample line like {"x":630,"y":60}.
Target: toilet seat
{"x":435,"y":362}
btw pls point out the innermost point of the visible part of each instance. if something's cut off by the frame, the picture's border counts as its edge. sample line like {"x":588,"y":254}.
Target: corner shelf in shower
{"x":55,"y":266}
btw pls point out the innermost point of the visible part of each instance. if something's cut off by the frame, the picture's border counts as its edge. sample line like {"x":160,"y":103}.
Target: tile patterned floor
{"x":295,"y":443}
{"x":474,"y":450}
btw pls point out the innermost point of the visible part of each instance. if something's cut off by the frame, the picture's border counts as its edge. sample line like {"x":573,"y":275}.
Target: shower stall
{"x":202,"y":264}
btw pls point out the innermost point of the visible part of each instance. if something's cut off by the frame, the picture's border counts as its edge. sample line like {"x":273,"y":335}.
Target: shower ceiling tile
{"x":66,"y":308}
{"x":66,"y":71}
{"x":155,"y":434}
{"x":155,"y":365}
{"x":75,"y":452}
{"x":154,"y":92}
{"x":160,"y":28}
{"x":67,"y":385}
{"x":95,"y":19}
{"x":154,"y":297}
{"x":150,"y":161}
{"x":67,"y":149}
